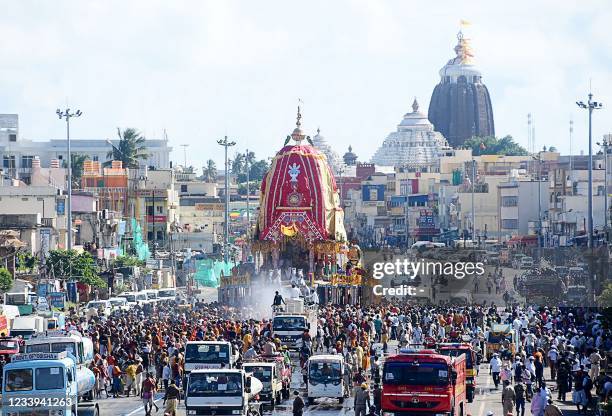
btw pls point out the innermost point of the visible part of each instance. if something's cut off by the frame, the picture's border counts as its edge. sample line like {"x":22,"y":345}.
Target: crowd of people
{"x":141,"y":351}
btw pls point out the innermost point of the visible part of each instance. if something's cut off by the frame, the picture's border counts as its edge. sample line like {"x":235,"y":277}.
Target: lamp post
{"x":226,"y":144}
{"x":67,"y":115}
{"x":590,"y":105}
{"x":540,"y":234}
{"x":606,"y":144}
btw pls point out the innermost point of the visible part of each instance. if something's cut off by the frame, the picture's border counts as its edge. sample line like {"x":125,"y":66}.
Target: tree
{"x":237,"y":164}
{"x":209,"y":172}
{"x":6,"y":280}
{"x":130,"y":150}
{"x":258,"y":170}
{"x":490,"y":145}
{"x":69,"y":264}
{"x":128,"y":261}
{"x":605,"y":299}
{"x":78,"y":161}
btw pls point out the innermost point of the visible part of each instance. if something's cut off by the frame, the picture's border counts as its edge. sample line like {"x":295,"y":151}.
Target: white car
{"x":119,"y":303}
{"x":168,"y":293}
{"x":151,"y":295}
{"x":103,"y":307}
{"x":130,"y":298}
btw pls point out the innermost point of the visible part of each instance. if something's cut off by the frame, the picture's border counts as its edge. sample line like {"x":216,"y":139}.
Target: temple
{"x":414,"y":144}
{"x":460,"y":105}
{"x":333,"y":160}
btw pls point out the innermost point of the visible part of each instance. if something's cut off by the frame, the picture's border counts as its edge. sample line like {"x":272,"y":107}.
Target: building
{"x":18,"y":153}
{"x":350,"y":158}
{"x":460,"y":105}
{"x":520,"y":203}
{"x":110,"y":185}
{"x":157,"y":206}
{"x":414,"y":144}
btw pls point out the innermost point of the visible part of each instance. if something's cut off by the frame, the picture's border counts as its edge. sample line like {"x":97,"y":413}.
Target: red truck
{"x":423,"y":382}
{"x":455,"y":349}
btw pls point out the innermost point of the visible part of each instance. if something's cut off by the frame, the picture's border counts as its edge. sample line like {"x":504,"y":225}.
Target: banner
{"x":56,"y":299}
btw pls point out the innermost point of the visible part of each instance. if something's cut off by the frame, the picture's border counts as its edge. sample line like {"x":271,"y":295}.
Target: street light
{"x":590,"y":105}
{"x":606,"y":144}
{"x":226,"y":144}
{"x":66,"y":114}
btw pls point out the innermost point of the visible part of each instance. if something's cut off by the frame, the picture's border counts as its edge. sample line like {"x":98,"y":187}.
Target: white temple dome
{"x":333,"y":159}
{"x":415,"y":143}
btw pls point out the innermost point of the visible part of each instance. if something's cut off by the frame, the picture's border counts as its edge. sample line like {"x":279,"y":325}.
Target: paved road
{"x":487,"y":399}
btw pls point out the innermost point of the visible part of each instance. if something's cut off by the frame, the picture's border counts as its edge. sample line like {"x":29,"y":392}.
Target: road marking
{"x":482,"y":404}
{"x":141,"y":408}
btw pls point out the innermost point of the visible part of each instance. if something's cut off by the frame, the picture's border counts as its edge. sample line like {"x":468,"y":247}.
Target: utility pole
{"x":590,"y":105}
{"x":248,"y":191}
{"x":605,"y":144}
{"x":185,"y":146}
{"x":473,"y":206}
{"x":66,"y":114}
{"x":226,"y":144}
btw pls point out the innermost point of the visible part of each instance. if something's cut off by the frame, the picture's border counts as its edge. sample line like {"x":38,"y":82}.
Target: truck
{"x":47,"y":383}
{"x":289,"y":324}
{"x":423,"y":382}
{"x":222,"y":392}
{"x":23,"y":300}
{"x":209,"y":354}
{"x":456,"y":349}
{"x":498,"y":335}
{"x":27,"y":326}
{"x":274,"y":375}
{"x":326,"y":377}
{"x":58,"y":341}
{"x":9,"y":347}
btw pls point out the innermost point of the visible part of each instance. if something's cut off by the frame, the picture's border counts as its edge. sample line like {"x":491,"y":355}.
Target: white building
{"x":415,"y":144}
{"x":18,"y":153}
{"x":333,"y":159}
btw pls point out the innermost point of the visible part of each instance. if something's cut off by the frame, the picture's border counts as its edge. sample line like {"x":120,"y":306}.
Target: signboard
{"x":60,"y":207}
{"x":209,"y":206}
{"x":56,"y":299}
{"x":150,"y":192}
{"x":156,"y":218}
{"x":426,"y":219}
{"x":39,"y":356}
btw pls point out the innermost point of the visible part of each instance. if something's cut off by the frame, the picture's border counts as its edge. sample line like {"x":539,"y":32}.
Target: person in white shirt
{"x":495,"y":368}
{"x":294,"y":292}
{"x":166,"y":374}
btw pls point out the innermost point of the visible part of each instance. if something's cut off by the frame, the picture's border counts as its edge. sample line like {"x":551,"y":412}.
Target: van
{"x":119,"y":303}
{"x":102,"y":306}
{"x":151,"y":295}
{"x":326,"y":378}
{"x":168,"y":293}
{"x":130,"y":298}
{"x":526,"y":262}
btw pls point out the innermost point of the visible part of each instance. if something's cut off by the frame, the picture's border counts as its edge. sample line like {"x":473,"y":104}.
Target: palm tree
{"x":131,"y":148}
{"x":209,"y":172}
{"x":237,"y":164}
{"x":77,"y":160}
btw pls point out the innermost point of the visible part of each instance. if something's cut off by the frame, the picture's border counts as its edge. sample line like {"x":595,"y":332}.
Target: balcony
{"x":47,"y":222}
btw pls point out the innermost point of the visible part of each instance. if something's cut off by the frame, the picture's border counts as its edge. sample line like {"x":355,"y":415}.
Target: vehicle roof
{"x":456,"y":345}
{"x":424,"y":355}
{"x":47,"y":339}
{"x":217,"y":370}
{"x":258,"y":364}
{"x":64,"y":362}
{"x":208,"y":342}
{"x":326,"y":357}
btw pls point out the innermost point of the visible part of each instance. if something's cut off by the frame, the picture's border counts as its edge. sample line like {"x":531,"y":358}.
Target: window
{"x":51,"y":378}
{"x":60,"y":157}
{"x":12,"y":137}
{"x":509,"y":201}
{"x":160,"y":235}
{"x":510,"y":224}
{"x":8,"y":162}
{"x":95,"y":158}
{"x":150,"y":235}
{"x":19,"y":380}
{"x":159,"y":209}
{"x":26,"y":161}
{"x":183,"y":188}
{"x":149,"y":209}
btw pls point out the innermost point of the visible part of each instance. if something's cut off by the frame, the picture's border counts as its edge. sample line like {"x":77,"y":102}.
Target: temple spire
{"x":415,"y":105}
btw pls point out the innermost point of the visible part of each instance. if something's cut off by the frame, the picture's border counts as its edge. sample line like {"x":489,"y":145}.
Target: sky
{"x":205,"y":69}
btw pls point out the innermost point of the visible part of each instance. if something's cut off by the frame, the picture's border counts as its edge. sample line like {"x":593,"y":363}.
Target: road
{"x":487,"y":399}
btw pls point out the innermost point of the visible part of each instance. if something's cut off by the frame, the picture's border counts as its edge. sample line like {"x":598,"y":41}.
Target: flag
{"x":465,"y":23}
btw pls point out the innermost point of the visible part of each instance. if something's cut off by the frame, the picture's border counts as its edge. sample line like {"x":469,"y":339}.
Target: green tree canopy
{"x":209,"y":172}
{"x":6,"y":280}
{"x":78,"y":161}
{"x":490,"y":145}
{"x":128,"y":261}
{"x":130,"y":150}
{"x":69,"y":264}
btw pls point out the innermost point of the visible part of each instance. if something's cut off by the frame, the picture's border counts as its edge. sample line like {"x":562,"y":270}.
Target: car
{"x":130,"y":298}
{"x":168,"y":293}
{"x":526,"y":263}
{"x":119,"y":303}
{"x":103,"y":307}
{"x":151,"y":294}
